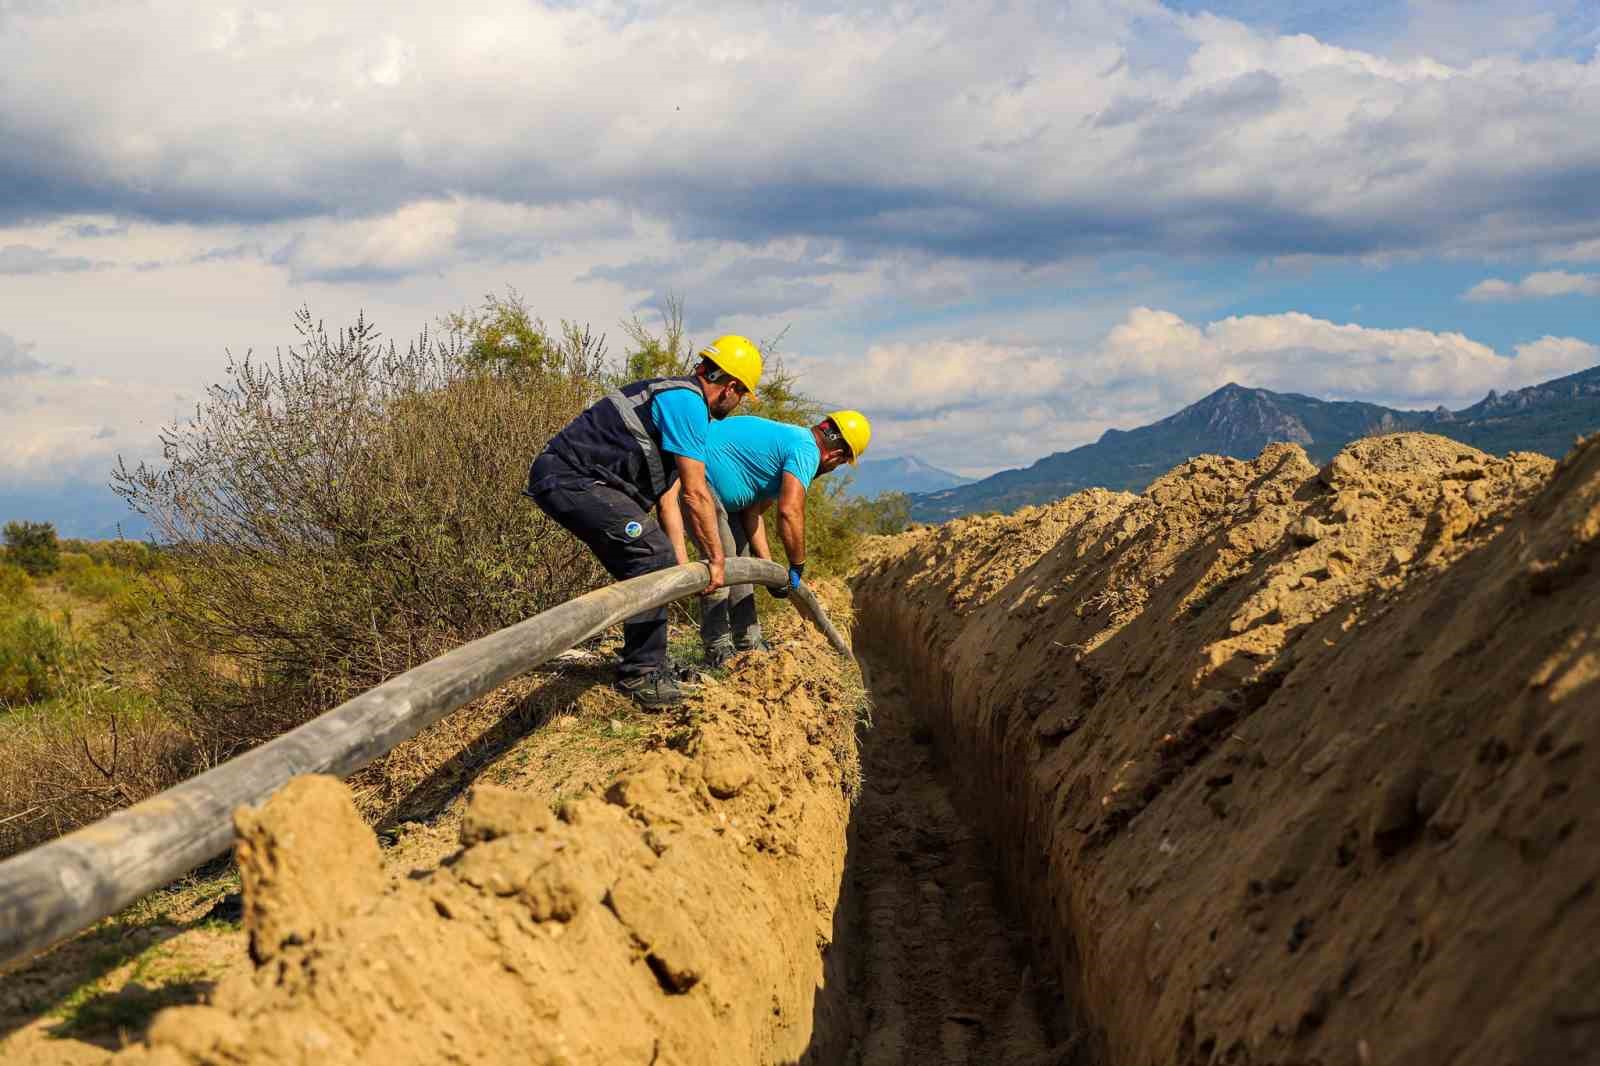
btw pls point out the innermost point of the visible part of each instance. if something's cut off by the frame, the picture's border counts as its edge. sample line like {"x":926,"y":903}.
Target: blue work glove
{"x":795,"y":572}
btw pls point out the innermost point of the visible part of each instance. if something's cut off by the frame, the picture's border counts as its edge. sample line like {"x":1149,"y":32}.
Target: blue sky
{"x":998,"y":228}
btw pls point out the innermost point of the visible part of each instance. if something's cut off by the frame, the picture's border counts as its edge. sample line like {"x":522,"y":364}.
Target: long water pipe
{"x":59,"y":887}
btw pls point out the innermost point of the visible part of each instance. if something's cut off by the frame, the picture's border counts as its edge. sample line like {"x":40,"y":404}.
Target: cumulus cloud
{"x":1294,"y":352}
{"x":1538,"y":286}
{"x":959,"y":403}
{"x":731,"y":279}
{"x":430,"y":235}
{"x":1025,"y":131}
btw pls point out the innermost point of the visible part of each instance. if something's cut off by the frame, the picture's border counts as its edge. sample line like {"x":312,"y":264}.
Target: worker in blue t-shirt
{"x":751,"y":462}
{"x":602,"y":475}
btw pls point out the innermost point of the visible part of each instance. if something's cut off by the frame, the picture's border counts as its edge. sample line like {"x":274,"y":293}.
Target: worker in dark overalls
{"x":603,"y":474}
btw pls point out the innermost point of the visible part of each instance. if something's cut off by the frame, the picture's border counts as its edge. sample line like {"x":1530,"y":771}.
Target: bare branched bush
{"x":79,"y":760}
{"x":346,"y":510}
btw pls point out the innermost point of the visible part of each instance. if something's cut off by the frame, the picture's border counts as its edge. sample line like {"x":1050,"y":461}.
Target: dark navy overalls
{"x":601,"y":477}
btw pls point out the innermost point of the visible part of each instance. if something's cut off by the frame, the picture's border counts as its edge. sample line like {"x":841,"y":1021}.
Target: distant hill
{"x":1239,"y":422}
{"x":873,"y":477}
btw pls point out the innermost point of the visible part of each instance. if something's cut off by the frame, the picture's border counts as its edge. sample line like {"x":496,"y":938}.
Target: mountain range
{"x":873,"y":477}
{"x":1240,"y":421}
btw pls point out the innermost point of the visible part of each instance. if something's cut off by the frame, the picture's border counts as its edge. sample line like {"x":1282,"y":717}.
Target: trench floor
{"x":939,"y":972}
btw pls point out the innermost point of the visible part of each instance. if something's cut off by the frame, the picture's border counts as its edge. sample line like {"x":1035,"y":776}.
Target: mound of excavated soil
{"x":1296,"y":766}
{"x":677,"y":919}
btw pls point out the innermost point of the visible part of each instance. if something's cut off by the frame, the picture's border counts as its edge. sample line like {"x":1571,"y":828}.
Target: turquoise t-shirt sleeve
{"x":682,"y":418}
{"x":802,"y":461}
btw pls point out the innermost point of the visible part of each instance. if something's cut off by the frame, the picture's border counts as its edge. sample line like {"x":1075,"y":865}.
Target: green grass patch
{"x":157,"y":980}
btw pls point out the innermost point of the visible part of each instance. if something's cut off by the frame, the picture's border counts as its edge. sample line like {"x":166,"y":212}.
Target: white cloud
{"x":974,"y":405}
{"x":56,"y":427}
{"x":1538,"y":286}
{"x":1026,"y":131}
{"x":1295,"y":352}
{"x":26,"y":259}
{"x":16,"y":358}
{"x":432,"y":235}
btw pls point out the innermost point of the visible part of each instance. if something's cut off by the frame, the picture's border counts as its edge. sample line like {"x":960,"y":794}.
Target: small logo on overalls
{"x":633,"y":529}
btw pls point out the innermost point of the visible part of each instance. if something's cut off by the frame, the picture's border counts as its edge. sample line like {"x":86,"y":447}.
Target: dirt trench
{"x":1292,"y":765}
{"x":932,"y":963}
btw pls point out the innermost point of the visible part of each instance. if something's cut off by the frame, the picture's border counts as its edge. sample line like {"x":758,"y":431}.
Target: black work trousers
{"x":626,"y":539}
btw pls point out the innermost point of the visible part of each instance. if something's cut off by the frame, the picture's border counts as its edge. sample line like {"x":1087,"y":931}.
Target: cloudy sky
{"x":997,"y":228}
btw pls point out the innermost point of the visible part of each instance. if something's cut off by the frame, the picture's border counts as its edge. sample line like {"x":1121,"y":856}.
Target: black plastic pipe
{"x":61,"y":886}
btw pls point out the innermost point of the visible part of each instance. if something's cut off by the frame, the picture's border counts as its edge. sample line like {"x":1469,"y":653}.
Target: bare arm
{"x":792,"y":518}
{"x":672,"y":521}
{"x":756,"y":530}
{"x":702,"y":516}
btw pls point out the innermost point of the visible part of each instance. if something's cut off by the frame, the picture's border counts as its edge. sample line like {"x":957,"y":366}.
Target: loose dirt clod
{"x":307,"y":862}
{"x":1293,"y":765}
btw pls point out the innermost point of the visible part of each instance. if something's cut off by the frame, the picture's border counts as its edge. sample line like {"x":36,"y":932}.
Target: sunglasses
{"x":835,"y":439}
{"x":719,"y":377}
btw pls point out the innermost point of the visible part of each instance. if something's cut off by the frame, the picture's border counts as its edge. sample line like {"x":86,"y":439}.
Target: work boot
{"x":718,"y":652}
{"x":688,"y":674}
{"x":652,"y":691}
{"x":758,"y":644}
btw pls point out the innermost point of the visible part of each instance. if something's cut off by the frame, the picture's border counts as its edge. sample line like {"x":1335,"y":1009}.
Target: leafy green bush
{"x":119,"y":554}
{"x":92,"y":580}
{"x":33,"y":658}
{"x":33,"y":546}
{"x":16,"y":587}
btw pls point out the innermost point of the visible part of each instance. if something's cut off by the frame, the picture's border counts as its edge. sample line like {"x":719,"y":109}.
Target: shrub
{"x":79,"y":757}
{"x":92,"y":580}
{"x":33,"y":546}
{"x":16,"y":587}
{"x":120,"y":554}
{"x":345,"y":511}
{"x":33,"y":658}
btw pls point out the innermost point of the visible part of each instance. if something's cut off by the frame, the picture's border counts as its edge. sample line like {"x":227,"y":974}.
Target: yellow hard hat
{"x":855,"y":429}
{"x":737,"y":356}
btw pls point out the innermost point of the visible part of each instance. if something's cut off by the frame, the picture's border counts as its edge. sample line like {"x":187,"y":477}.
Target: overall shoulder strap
{"x":628,"y":403}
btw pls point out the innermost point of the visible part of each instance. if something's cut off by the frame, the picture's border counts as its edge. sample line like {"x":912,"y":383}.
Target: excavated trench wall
{"x":1293,"y":766}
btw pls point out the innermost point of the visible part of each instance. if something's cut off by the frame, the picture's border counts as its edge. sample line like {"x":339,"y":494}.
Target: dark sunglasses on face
{"x":719,"y":377}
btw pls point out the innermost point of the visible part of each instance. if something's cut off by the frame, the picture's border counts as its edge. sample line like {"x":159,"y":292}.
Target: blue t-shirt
{"x":682,"y":418}
{"x":746,"y":458}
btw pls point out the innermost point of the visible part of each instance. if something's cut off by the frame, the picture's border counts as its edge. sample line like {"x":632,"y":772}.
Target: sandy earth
{"x":1269,"y":764}
{"x":1292,"y":766}
{"x":555,"y":735}
{"x":675,"y":919}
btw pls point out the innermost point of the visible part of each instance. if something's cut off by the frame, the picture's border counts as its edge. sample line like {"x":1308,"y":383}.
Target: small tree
{"x":33,"y":546}
{"x":667,"y":354}
{"x":504,"y":338}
